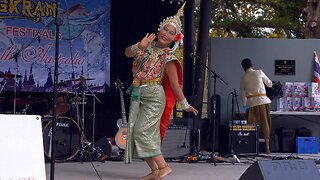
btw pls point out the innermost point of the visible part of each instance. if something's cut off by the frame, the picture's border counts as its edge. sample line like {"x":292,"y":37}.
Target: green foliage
{"x":257,"y":18}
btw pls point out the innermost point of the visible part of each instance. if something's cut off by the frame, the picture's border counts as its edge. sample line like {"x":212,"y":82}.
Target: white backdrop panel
{"x":21,"y":152}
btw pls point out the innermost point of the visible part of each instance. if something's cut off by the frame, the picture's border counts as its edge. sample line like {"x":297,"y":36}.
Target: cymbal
{"x":19,"y":101}
{"x":29,"y":100}
{"x":9,"y":76}
{"x":34,"y":100}
{"x":63,"y":83}
{"x":80,"y":79}
{"x":6,"y":75}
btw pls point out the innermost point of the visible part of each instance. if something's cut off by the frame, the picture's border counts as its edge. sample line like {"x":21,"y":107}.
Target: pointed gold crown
{"x":173,"y":20}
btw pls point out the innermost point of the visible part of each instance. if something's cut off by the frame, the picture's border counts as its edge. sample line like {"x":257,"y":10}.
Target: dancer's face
{"x":166,"y":35}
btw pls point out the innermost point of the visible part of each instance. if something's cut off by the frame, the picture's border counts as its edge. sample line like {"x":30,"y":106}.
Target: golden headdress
{"x":176,"y":22}
{"x":173,"y":20}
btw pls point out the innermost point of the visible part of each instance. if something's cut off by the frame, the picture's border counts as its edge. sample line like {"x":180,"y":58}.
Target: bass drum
{"x":68,"y":139}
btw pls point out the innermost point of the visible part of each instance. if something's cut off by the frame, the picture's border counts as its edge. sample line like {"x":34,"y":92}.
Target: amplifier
{"x":176,"y":142}
{"x":243,"y":138}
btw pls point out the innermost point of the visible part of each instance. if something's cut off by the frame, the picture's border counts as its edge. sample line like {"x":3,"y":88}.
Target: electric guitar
{"x":122,"y":124}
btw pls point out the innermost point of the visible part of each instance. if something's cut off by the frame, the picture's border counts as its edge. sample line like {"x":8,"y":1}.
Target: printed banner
{"x":28,"y":39}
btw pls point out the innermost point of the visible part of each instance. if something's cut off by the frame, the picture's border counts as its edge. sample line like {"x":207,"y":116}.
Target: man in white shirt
{"x":253,"y":96}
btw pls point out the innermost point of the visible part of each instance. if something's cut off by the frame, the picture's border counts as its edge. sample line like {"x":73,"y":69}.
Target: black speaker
{"x":244,"y":139}
{"x":176,"y":142}
{"x":104,"y":145}
{"x":287,"y":139}
{"x":282,"y":170}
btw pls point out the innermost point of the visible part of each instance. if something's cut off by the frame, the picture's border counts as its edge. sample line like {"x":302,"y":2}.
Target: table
{"x":296,"y":114}
{"x":302,"y":113}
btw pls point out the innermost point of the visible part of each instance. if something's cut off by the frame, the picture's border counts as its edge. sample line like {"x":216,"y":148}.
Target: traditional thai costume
{"x":147,"y":102}
{"x":152,"y":98}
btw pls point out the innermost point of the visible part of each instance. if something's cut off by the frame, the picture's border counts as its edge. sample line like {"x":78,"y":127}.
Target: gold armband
{"x":135,"y":48}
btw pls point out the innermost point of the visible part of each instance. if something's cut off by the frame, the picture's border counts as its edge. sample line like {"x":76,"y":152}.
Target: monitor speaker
{"x":282,"y":170}
{"x":176,"y":142}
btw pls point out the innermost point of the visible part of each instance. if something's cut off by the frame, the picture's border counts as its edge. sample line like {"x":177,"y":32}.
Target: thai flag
{"x":316,"y":73}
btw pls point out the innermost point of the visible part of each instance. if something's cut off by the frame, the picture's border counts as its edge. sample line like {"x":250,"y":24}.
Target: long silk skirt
{"x":143,"y":139}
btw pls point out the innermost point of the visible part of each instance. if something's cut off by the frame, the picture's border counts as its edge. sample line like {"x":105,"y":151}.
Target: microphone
{"x":194,"y":55}
{"x":235,"y":92}
{"x":38,"y":37}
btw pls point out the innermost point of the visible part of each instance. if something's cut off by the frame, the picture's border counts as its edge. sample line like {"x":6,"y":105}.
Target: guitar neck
{"x":123,"y":109}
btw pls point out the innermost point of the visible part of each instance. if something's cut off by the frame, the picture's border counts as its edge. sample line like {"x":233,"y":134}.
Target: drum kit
{"x":69,"y":133}
{"x":5,"y":77}
{"x":70,"y":137}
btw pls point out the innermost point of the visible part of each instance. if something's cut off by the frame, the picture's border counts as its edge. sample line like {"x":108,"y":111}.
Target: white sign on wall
{"x":21,"y":152}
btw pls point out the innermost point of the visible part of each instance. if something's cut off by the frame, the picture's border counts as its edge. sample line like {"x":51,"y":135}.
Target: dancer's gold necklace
{"x":154,"y":54}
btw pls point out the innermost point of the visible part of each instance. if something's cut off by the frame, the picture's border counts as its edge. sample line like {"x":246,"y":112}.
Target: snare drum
{"x":67,"y":136}
{"x":63,"y":105}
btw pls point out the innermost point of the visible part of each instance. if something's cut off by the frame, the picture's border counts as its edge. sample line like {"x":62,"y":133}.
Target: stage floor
{"x":116,"y":170}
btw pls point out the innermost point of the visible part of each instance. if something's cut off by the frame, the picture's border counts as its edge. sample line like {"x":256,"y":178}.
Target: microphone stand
{"x":242,"y":138}
{"x":232,"y":154}
{"x":58,"y":22}
{"x":93,"y":112}
{"x":88,"y":148}
{"x":215,"y":76}
{"x":242,"y":141}
{"x":15,"y":57}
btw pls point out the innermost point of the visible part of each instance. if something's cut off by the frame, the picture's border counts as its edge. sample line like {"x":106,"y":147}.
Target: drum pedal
{"x":103,"y":158}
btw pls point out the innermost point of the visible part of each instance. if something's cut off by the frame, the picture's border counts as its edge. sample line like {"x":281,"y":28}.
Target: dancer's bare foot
{"x":154,"y":175}
{"x":267,"y":151}
{"x":164,"y":171}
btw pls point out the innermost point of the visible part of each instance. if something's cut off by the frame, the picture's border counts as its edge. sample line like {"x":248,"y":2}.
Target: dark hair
{"x":246,"y":63}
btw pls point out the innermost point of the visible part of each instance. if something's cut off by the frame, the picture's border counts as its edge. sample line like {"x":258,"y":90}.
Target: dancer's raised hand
{"x":146,"y":40}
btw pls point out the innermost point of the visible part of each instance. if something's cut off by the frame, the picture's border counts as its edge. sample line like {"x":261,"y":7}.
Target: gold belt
{"x":136,"y":82}
{"x":256,"y":95}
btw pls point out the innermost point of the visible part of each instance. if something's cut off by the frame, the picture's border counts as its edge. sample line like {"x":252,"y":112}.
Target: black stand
{"x":215,"y":76}
{"x":194,"y":133}
{"x":15,"y":57}
{"x":87,"y":148}
{"x":214,"y":105}
{"x":58,"y":22}
{"x":232,"y":154}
